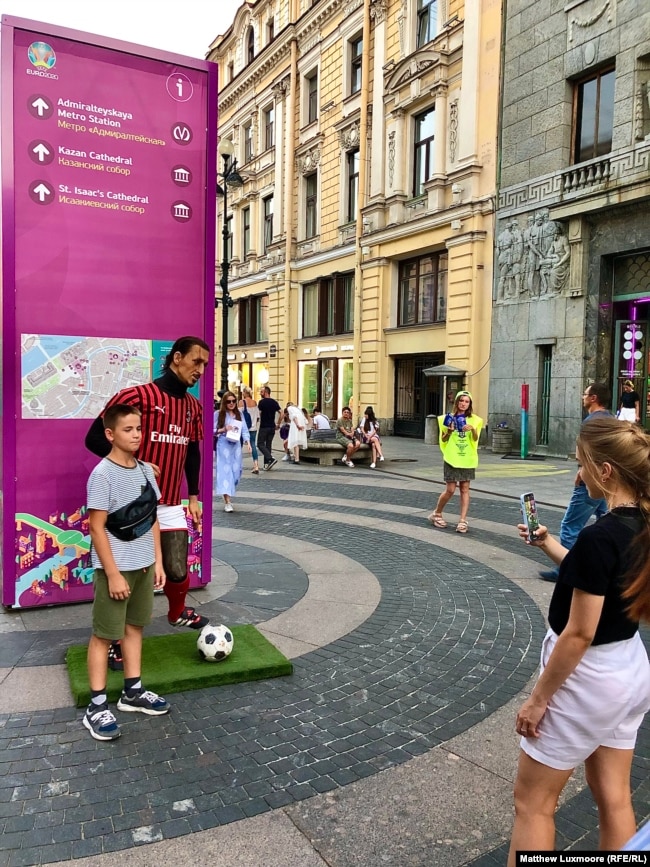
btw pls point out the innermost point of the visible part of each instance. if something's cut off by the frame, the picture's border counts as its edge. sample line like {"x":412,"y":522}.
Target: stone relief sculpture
{"x":532,"y":263}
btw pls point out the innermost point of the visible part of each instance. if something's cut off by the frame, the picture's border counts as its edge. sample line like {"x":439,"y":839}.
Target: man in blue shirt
{"x":581,"y":506}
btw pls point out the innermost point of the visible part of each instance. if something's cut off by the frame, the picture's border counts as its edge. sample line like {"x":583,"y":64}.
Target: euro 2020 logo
{"x":41,"y":55}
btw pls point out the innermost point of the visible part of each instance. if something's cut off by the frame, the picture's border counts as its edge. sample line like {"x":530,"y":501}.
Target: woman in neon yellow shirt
{"x":459,"y":433}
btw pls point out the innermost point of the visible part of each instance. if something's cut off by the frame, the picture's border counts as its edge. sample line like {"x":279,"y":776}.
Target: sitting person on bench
{"x":345,"y":435}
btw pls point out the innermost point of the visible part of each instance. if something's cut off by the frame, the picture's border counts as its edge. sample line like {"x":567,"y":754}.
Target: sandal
{"x":462,"y":527}
{"x":437,"y":520}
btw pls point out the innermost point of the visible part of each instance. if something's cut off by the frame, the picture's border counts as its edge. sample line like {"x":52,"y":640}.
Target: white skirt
{"x":601,"y":703}
{"x":626,"y":414}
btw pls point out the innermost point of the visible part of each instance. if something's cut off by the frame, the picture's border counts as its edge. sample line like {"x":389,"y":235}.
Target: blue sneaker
{"x":101,"y":723}
{"x":144,"y":702}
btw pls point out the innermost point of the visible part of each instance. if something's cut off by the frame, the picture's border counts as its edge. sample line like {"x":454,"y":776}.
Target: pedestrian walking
{"x":595,"y":399}
{"x":231,"y":431}
{"x":251,"y":415}
{"x":285,"y":425}
{"x":458,"y":438}
{"x":369,"y":430}
{"x":297,"y":438}
{"x":269,"y":410}
{"x":630,"y":406}
{"x":594,"y":686}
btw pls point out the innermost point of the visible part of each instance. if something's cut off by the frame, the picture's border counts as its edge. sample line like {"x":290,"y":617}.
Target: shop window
{"x":593,"y":116}
{"x":423,"y":290}
{"x":328,"y":306}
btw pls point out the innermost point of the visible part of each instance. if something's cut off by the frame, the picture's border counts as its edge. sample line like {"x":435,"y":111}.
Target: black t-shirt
{"x":268,"y":408}
{"x":599,"y":564}
{"x":629,"y":399}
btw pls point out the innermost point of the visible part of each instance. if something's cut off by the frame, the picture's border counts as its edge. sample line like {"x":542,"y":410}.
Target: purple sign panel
{"x":108,"y":178}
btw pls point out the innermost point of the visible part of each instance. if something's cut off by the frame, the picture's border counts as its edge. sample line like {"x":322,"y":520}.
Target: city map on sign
{"x":73,"y":377}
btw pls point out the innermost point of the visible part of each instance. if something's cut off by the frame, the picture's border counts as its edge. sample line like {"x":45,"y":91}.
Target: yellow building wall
{"x":465,"y":337}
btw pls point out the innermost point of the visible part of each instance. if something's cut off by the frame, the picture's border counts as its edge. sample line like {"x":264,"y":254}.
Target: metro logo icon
{"x":41,"y":55}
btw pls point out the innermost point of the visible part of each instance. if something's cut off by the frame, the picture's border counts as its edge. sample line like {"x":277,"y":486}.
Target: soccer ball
{"x":215,"y":643}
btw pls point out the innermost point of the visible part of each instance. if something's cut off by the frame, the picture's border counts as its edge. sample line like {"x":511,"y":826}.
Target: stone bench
{"x":329,"y":452}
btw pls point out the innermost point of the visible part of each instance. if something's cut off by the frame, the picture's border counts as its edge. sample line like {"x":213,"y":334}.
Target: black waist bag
{"x":136,"y":518}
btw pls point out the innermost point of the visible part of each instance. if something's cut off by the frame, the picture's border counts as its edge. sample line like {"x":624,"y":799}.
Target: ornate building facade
{"x":361,"y":241}
{"x":572,"y":260}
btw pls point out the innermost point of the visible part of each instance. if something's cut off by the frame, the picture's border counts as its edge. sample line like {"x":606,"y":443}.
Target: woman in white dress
{"x":297,"y":432}
{"x":229,"y":431}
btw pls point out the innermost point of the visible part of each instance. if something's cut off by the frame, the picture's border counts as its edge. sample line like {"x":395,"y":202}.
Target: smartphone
{"x":529,"y":513}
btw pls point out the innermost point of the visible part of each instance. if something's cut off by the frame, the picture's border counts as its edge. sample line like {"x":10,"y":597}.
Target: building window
{"x":328,"y":306}
{"x":423,"y":150}
{"x":269,"y":127}
{"x":312,"y":97}
{"x":594,"y":116}
{"x":310,"y":310}
{"x":270,"y":30}
{"x":423,"y":290}
{"x":246,"y":231}
{"x":311,"y":205}
{"x":248,"y":143}
{"x":356,"y":57}
{"x":352,"y":164}
{"x":231,"y":70}
{"x":229,"y":241}
{"x":250,"y":45}
{"x":427,"y":21}
{"x":268,"y":222}
{"x":252,"y":320}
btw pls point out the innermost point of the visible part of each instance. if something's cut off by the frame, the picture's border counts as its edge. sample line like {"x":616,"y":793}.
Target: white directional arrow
{"x":41,"y":191}
{"x":42,"y":152}
{"x":41,"y":106}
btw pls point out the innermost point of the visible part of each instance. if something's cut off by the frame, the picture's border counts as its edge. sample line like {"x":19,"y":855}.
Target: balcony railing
{"x":585,"y":176}
{"x":613,"y":171}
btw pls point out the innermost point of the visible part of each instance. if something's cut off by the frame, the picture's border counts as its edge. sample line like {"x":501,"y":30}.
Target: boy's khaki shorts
{"x":111,"y":615}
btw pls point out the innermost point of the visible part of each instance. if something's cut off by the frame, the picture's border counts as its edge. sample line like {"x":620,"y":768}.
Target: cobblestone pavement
{"x":451,"y":638}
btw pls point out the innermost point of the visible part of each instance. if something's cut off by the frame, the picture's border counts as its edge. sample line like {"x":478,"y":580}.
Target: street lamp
{"x":230,"y":178}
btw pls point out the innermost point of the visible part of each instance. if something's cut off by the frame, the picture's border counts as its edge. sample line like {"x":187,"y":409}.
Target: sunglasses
{"x":231,"y":401}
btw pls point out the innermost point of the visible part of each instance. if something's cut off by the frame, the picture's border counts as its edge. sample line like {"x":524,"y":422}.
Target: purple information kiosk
{"x":108,"y":209}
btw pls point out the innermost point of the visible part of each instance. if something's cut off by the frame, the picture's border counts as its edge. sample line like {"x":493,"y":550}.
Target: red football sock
{"x":176,"y":591}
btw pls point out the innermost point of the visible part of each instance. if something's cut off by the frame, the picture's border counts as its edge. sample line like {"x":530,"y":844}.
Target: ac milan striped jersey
{"x":169,"y":423}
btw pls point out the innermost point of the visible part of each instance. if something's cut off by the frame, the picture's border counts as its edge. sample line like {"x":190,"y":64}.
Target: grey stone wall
{"x":547,"y":45}
{"x":518,"y":330}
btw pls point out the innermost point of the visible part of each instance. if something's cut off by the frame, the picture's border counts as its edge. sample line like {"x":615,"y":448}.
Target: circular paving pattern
{"x":447,"y":642}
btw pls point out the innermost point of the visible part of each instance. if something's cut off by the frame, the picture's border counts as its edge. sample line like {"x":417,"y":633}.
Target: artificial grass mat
{"x":171,"y":663}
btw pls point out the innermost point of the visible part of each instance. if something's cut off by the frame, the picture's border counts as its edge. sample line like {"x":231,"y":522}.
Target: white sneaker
{"x":228,"y":507}
{"x":372,"y":466}
{"x":350,"y":464}
{"x":381,"y":457}
{"x":286,"y":458}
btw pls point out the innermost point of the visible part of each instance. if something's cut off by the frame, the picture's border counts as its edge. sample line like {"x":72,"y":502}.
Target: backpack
{"x":246,"y":415}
